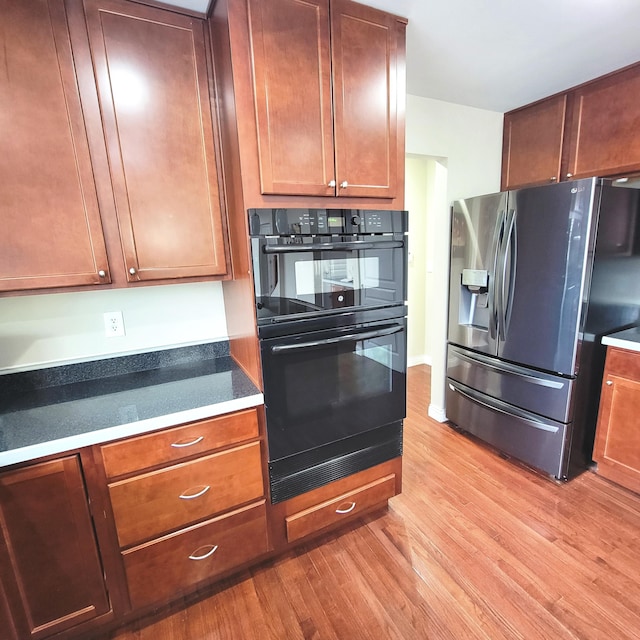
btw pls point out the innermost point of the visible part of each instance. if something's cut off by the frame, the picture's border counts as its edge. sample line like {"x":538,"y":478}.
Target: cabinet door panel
{"x":365,"y":76}
{"x":49,"y":540}
{"x":532,"y":145}
{"x":606,"y":119}
{"x":617,"y":443}
{"x":51,"y":230}
{"x":292,"y":85}
{"x":152,"y":82}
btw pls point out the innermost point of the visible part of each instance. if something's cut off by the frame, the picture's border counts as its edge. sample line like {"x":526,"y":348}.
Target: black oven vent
{"x":297,"y":474}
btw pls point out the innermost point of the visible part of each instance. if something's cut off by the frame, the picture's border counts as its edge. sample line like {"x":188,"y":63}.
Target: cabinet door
{"x":605,"y":123}
{"x":48,"y":541}
{"x":532,"y":144}
{"x":617,"y":444}
{"x":365,"y":84}
{"x":292,"y":86}
{"x":152,"y":78}
{"x":51,"y":230}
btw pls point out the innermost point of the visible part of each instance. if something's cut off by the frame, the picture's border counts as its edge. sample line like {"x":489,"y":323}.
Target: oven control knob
{"x":356,"y":220}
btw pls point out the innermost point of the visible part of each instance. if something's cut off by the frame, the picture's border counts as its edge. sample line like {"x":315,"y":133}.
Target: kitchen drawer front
{"x":159,"y":570}
{"x":344,"y":506}
{"x":159,"y":501}
{"x":172,"y":445}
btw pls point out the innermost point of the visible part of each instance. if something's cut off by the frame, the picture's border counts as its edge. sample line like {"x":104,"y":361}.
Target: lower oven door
{"x":332,"y":394}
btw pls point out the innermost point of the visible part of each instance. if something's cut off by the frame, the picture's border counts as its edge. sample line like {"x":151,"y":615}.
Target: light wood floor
{"x":474,"y":547}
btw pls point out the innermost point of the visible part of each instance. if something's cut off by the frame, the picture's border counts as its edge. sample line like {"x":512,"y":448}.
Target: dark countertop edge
{"x":62,"y":445}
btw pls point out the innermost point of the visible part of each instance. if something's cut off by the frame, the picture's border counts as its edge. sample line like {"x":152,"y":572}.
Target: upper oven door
{"x":323,"y":386}
{"x":311,"y":275}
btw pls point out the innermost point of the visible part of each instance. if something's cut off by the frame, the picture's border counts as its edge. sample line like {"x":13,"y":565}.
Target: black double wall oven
{"x":330,"y":287}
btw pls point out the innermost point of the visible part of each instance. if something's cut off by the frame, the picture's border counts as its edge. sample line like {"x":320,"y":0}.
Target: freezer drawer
{"x":542,"y":393}
{"x":539,"y":443}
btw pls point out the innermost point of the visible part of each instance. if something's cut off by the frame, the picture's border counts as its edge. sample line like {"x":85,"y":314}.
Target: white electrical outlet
{"x":113,"y":324}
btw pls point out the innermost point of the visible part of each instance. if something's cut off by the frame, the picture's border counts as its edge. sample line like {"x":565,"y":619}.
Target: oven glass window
{"x":311,"y":281}
{"x":320,"y":393}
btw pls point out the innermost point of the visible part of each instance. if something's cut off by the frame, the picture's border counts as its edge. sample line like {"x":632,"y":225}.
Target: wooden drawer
{"x":159,"y":570}
{"x":159,"y":501}
{"x":344,"y":506}
{"x":172,"y":445}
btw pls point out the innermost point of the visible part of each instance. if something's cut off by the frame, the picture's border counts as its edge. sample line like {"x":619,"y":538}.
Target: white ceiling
{"x":502,"y":54}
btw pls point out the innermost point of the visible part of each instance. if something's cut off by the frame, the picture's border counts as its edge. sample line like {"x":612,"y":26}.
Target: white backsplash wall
{"x":51,"y":329}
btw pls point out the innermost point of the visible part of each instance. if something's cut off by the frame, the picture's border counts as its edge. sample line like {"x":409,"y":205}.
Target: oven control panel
{"x":310,"y":222}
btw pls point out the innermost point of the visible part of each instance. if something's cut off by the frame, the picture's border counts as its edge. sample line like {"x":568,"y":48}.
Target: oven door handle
{"x":366,"y":335}
{"x":342,"y":246}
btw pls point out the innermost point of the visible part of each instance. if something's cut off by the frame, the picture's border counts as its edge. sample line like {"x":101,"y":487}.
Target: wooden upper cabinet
{"x":292,"y":84}
{"x":152,"y":75}
{"x":532,"y":143}
{"x":51,"y":229}
{"x":365,"y":89}
{"x":50,"y":566}
{"x":605,"y":131}
{"x":326,"y":90}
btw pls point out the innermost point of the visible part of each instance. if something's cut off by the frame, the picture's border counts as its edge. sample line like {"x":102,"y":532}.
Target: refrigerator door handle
{"x":509,"y":369}
{"x":525,"y":416}
{"x":508,"y":260}
{"x":494,"y":281}
{"x":509,"y":274}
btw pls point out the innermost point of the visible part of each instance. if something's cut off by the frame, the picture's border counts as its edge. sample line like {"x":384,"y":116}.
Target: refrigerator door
{"x":476,"y":228}
{"x":541,"y":275}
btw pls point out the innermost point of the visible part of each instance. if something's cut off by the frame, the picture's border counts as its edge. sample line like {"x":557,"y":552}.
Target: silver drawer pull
{"x":348,"y":510}
{"x":204,"y":556}
{"x":191,"y":496}
{"x":179,"y":445}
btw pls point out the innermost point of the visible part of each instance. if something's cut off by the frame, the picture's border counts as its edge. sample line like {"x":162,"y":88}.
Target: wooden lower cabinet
{"x":617,"y":444}
{"x":51,"y":574}
{"x":334,"y":510}
{"x":161,"y":569}
{"x":325,"y":508}
{"x":154,"y":503}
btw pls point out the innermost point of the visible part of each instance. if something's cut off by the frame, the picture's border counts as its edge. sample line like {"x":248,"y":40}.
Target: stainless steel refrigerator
{"x":538,"y":275}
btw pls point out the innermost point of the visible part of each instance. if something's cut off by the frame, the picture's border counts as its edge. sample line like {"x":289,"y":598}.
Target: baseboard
{"x":437,"y":413}
{"x":414,"y":361}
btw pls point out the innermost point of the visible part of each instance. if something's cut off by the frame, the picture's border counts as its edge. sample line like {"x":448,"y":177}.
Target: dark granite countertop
{"x":61,"y":408}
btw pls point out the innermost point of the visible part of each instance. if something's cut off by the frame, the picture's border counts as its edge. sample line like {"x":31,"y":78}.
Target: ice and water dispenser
{"x":473,"y":309}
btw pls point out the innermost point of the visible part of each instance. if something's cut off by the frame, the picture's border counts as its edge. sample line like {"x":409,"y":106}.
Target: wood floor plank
{"x":476,"y":547}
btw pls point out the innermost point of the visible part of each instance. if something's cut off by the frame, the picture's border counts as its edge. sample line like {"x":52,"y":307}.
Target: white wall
{"x":50,"y":329}
{"x":470,"y":143}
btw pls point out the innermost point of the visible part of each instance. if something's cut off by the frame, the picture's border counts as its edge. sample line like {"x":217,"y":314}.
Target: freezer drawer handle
{"x":505,"y":369}
{"x":537,"y":424}
{"x":342,"y":246}
{"x":283,"y":348}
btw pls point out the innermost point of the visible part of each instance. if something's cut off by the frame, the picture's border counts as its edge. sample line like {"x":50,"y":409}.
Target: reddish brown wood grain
{"x":475,"y":546}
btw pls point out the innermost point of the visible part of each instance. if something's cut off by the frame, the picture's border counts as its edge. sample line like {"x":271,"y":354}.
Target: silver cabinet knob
{"x":344,"y":185}
{"x":102,"y":273}
{"x":552,"y":179}
{"x":609,"y":382}
{"x":569,"y":175}
{"x":132,"y":271}
{"x":332,"y":183}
